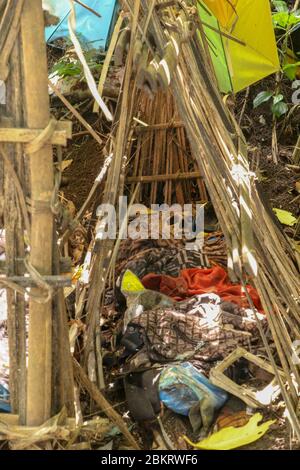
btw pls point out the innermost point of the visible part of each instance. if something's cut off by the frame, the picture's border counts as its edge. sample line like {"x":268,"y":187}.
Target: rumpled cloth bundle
{"x":203,"y":327}
{"x":165,"y":261}
{"x":169,"y":256}
{"x":200,"y":281}
{"x":130,"y":249}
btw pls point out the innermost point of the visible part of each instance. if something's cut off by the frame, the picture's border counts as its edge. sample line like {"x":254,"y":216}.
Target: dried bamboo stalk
{"x":35,"y":75}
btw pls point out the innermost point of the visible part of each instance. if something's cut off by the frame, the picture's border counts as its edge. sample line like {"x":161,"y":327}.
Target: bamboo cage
{"x":160,"y":158}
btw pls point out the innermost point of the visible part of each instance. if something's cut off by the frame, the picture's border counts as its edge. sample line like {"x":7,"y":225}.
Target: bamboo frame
{"x":25,"y":136}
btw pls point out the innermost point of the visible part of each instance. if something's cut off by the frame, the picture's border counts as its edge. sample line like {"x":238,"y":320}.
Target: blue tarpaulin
{"x":91,"y":29}
{"x":4,"y":400}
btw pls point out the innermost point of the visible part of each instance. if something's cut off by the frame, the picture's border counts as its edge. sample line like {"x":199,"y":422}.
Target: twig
{"x":162,"y":178}
{"x":88,"y":8}
{"x":76,"y":113}
{"x":107,"y":60}
{"x":297,"y":3}
{"x":244,"y":105}
{"x":105,"y":406}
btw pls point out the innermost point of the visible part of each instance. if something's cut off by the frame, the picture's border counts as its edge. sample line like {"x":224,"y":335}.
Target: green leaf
{"x":284,"y":217}
{"x":284,"y":19}
{"x":261,"y":98}
{"x":67,"y":69}
{"x":280,"y":5}
{"x":279,"y":109}
{"x":290,"y":70}
{"x":277,"y":99}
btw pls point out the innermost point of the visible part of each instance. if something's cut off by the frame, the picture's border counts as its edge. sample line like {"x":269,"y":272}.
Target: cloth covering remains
{"x":197,"y":281}
{"x":202,"y":327}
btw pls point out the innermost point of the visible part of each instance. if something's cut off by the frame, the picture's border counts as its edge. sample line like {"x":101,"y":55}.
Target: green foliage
{"x":280,"y":5}
{"x":285,"y":19}
{"x":261,"y":98}
{"x":278,"y":106}
{"x":285,"y":217}
{"x":71,"y":67}
{"x":64,"y":68}
{"x":290,"y":70}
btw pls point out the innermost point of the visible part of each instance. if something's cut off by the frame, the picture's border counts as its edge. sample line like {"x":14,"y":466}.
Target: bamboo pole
{"x":37,"y":116}
{"x":162,"y":178}
{"x":158,"y":127}
{"x":62,"y":373}
{"x":14,"y":225}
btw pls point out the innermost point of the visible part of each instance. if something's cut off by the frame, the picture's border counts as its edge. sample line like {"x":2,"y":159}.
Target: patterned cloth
{"x":165,"y":261}
{"x":169,"y":256}
{"x":203,"y":324}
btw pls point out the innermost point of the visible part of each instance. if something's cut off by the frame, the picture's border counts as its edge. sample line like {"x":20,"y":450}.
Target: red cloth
{"x":198,"y":281}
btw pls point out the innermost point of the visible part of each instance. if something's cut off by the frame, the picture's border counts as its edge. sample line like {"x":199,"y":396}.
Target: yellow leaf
{"x":131,"y":283}
{"x":232,"y":438}
{"x":285,"y":217}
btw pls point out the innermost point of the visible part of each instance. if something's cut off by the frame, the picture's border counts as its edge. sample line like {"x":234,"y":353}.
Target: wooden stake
{"x":37,"y":116}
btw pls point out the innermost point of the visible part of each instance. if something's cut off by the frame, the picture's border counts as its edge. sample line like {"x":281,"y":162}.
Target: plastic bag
{"x":91,"y":28}
{"x":186,"y":391}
